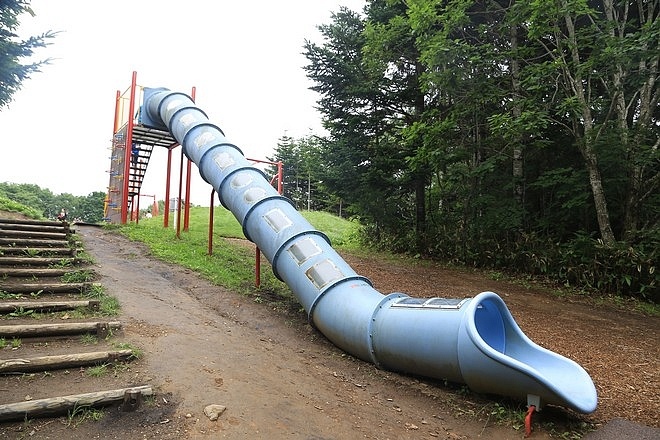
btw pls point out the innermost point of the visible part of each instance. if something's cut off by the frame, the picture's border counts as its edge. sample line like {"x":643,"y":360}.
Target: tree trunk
{"x":647,"y":101}
{"x":575,"y":81}
{"x":420,"y":213}
{"x":517,"y":168}
{"x":598,"y":193}
{"x":421,"y":177}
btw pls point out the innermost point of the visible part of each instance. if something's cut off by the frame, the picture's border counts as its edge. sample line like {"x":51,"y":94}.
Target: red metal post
{"x":166,"y":214}
{"x":257,"y":257}
{"x":186,"y":214}
{"x":186,"y":210}
{"x":136,"y":209}
{"x":178,"y":202}
{"x":211,"y":222}
{"x":257,"y":266}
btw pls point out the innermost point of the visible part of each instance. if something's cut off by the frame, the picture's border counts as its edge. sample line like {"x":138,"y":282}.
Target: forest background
{"x":517,"y":136}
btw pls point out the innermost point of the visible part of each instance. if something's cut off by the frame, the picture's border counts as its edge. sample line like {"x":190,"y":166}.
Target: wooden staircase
{"x":45,"y":314}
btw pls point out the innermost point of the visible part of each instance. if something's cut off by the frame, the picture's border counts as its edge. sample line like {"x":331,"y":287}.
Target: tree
{"x":87,"y":208}
{"x":530,"y":123}
{"x":351,"y":114}
{"x":393,"y":56}
{"x":601,"y":57}
{"x":367,"y":73}
{"x":302,"y":172}
{"x":13,"y":72}
{"x":632,"y":57}
{"x":90,"y":207}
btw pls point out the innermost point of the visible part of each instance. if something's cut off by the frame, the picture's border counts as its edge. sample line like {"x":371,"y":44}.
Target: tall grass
{"x":232,"y":261}
{"x":11,"y":206}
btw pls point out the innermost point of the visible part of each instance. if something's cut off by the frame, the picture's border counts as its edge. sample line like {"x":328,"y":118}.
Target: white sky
{"x":244,"y":58}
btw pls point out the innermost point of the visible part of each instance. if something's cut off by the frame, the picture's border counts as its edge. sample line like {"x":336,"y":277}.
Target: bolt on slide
{"x":474,"y":341}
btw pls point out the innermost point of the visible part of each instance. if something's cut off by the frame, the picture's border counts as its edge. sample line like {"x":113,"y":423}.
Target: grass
{"x":11,"y":206}
{"x":20,"y":312}
{"x":82,"y":413}
{"x":6,"y":295}
{"x":109,"y":305}
{"x":89,"y":339}
{"x":136,"y":353}
{"x":78,"y":276}
{"x":97,"y":370}
{"x":342,"y":233}
{"x":231,"y":265}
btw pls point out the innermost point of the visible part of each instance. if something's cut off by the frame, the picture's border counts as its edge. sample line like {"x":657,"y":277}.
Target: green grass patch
{"x":83,"y":413}
{"x":231,"y":264}
{"x":136,"y":353}
{"x":89,"y":339}
{"x":341,"y":232}
{"x":11,"y":206}
{"x":97,"y":370}
{"x":78,"y":276}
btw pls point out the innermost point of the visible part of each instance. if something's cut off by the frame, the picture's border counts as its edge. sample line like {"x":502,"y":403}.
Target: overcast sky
{"x":243,"y":57}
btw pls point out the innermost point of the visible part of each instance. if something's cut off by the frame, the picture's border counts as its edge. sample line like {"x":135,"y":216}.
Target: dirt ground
{"x":279,"y":378}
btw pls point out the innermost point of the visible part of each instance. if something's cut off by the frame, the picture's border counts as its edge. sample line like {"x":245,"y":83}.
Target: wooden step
{"x":33,"y":242}
{"x":25,"y":251}
{"x":64,"y":229}
{"x":58,"y":362}
{"x":40,"y":235}
{"x":61,"y":405}
{"x":45,"y":287}
{"x":38,"y":261}
{"x":24,"y":272}
{"x":11,"y":221}
{"x":69,"y":328}
{"x":47,"y":306}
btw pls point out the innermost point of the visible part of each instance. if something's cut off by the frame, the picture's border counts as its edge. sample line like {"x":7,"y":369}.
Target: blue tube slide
{"x":474,"y":341}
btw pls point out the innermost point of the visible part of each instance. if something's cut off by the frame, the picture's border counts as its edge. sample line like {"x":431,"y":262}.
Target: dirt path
{"x":279,"y":378}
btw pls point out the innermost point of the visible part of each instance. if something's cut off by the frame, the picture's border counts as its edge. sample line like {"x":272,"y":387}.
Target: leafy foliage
{"x":44,"y":203}
{"x":232,"y":262}
{"x":13,"y":72}
{"x":302,"y":176}
{"x":498,"y":134}
{"x":9,"y":205}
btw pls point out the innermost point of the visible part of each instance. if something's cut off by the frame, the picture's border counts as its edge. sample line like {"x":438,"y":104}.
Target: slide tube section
{"x":473,"y":340}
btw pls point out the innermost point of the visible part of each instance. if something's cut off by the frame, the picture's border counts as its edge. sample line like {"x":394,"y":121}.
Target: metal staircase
{"x":138,"y":169}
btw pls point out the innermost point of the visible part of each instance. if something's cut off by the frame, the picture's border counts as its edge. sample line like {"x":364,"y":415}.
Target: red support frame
{"x":178,"y":202}
{"x":135,"y":211}
{"x":186,"y":214}
{"x":211,"y":222}
{"x":118,"y":196}
{"x":166,"y":214}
